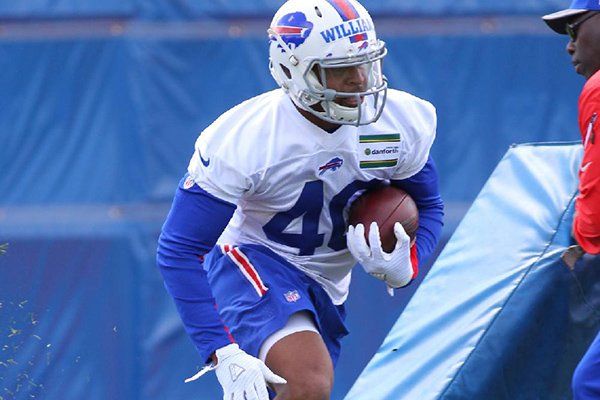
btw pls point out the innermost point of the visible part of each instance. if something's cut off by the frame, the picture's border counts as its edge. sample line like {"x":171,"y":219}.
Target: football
{"x":385,"y":205}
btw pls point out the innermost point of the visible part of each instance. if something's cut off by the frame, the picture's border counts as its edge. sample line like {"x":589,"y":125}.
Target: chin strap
{"x":345,"y":114}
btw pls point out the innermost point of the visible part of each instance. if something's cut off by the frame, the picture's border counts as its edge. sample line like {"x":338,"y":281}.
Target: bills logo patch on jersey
{"x":293,"y":28}
{"x":332,"y":165}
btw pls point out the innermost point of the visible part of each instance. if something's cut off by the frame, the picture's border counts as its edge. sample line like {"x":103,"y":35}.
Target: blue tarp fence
{"x":193,"y":9}
{"x":100,"y":104}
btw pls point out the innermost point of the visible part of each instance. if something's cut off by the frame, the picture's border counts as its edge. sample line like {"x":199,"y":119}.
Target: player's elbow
{"x":166,"y":252}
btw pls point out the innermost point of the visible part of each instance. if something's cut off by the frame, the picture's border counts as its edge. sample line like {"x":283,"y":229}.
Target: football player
{"x":255,"y":249}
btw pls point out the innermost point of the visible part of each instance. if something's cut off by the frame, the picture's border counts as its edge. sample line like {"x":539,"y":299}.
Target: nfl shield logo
{"x":189,"y":182}
{"x":292,"y":296}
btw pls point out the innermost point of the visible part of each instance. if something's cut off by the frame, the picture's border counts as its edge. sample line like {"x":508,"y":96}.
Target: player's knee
{"x":316,"y":388}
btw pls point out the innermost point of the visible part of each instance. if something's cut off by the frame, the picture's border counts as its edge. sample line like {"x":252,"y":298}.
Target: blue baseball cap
{"x":558,"y":20}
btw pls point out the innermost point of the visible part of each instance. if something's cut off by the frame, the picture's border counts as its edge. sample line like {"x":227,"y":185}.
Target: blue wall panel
{"x":124,"y":113}
{"x":44,"y":9}
{"x":68,"y":124}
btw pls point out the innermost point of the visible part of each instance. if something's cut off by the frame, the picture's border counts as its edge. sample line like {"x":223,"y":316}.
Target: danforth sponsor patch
{"x":379,"y":150}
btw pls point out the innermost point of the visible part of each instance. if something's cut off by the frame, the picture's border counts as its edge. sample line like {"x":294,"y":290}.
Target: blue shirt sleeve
{"x":192,"y":227}
{"x":424,"y":189}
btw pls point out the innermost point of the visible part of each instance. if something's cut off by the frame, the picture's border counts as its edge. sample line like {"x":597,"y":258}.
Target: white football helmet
{"x":309,"y":40}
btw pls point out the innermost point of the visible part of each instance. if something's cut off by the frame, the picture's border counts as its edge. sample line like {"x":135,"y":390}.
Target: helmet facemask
{"x":328,"y":104}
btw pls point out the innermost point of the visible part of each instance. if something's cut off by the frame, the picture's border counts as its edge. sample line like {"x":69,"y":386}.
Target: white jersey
{"x":292,"y":182}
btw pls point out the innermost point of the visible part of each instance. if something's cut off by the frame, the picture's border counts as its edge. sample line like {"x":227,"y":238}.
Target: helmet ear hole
{"x":286,"y":71}
{"x":318,"y":11}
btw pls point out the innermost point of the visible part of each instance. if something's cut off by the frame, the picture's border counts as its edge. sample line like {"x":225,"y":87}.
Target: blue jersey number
{"x":309,"y":206}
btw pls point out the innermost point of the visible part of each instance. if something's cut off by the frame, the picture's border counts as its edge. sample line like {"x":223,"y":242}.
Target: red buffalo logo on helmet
{"x":293,"y":28}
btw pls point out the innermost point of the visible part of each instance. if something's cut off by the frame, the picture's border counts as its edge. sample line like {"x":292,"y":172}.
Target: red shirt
{"x":586,"y":226}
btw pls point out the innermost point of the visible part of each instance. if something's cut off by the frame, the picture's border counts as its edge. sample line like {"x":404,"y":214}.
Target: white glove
{"x":242,"y":376}
{"x":393,"y":268}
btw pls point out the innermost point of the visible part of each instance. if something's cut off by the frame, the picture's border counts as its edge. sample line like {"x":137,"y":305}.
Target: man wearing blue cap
{"x":581,"y":22}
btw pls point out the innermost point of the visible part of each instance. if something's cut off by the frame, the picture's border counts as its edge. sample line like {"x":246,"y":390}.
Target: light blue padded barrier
{"x":499,"y":316}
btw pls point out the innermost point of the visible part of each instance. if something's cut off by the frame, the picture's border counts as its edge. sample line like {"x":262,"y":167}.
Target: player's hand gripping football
{"x":393,"y":268}
{"x":242,"y":376}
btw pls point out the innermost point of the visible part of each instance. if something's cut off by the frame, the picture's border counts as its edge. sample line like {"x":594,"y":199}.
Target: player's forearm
{"x":424,"y":189}
{"x":186,"y":282}
{"x":193,"y":225}
{"x":430,"y":229}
